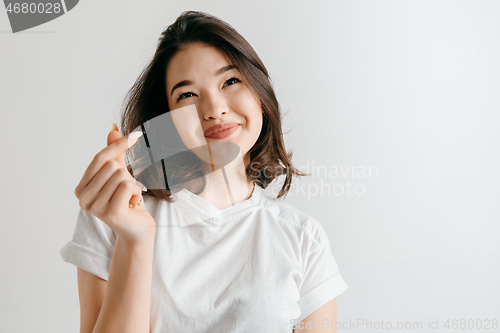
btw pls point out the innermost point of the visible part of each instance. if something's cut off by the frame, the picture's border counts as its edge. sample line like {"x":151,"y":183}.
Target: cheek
{"x":257,"y":114}
{"x":255,"y":120}
{"x":250,"y":105}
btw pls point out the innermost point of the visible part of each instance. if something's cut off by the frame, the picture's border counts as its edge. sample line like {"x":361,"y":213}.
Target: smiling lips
{"x":222,"y":130}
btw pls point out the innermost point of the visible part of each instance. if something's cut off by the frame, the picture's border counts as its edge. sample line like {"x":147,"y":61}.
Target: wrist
{"x":145,"y":239}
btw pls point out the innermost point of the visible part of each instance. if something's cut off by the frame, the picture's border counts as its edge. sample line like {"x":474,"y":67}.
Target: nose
{"x":213,"y":105}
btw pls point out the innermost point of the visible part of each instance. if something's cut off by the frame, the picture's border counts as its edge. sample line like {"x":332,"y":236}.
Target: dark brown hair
{"x":147,"y":98}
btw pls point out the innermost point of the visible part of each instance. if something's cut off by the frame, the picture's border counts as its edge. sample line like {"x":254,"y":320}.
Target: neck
{"x":237,"y":189}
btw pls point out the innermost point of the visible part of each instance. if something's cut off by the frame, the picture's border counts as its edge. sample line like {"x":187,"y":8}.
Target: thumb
{"x":113,"y":135}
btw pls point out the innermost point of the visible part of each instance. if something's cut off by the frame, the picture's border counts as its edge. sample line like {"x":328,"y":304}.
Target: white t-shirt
{"x":258,"y":266}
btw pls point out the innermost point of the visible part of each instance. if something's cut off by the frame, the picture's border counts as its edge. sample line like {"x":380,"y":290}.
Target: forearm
{"x":126,"y":305}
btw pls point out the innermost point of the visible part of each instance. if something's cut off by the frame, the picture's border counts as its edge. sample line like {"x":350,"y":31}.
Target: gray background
{"x":410,"y":88}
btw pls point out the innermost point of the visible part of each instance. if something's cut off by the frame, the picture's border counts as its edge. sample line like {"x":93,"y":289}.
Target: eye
{"x":178,"y":99}
{"x":233,"y":78}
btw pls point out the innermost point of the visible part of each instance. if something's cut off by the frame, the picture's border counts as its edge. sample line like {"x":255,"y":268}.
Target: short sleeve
{"x":322,"y":281}
{"x":92,"y":245}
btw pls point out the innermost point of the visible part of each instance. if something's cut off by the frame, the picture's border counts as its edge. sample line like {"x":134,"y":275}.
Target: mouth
{"x":221,"y":131}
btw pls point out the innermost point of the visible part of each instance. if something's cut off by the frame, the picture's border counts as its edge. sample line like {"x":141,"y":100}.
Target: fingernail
{"x":141,"y":186}
{"x":132,"y":137}
{"x":113,"y":127}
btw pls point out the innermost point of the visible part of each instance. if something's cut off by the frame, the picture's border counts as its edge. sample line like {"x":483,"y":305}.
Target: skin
{"x":217,"y":98}
{"x":325,"y":314}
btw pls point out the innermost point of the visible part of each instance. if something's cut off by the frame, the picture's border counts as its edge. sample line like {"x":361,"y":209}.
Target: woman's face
{"x":211,"y":93}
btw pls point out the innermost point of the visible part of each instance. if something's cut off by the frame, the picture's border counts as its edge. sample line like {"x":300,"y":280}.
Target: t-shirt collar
{"x":191,"y":208}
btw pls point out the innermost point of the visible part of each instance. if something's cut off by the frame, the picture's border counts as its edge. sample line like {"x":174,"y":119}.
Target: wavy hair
{"x":147,"y":99}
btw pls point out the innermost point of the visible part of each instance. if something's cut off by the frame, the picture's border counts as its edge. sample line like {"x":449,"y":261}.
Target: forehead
{"x":195,"y":59}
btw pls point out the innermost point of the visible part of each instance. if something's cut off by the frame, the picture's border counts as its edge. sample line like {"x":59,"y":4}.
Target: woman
{"x":218,"y":255}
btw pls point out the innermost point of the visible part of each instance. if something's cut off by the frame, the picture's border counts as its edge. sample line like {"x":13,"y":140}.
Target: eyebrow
{"x":218,"y":72}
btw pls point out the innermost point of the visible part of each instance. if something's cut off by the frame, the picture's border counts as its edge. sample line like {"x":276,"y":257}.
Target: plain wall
{"x":407,"y":91}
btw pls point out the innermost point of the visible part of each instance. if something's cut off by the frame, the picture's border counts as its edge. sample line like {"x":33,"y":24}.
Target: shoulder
{"x":303,"y":223}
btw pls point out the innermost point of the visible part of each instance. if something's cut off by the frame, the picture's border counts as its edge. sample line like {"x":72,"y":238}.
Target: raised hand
{"x":109,"y":192}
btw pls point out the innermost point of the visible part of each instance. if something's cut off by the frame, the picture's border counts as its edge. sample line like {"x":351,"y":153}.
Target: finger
{"x":136,"y":199}
{"x":119,"y":179}
{"x":97,"y":184}
{"x":119,"y":176}
{"x":113,"y":135}
{"x":112,"y":151}
{"x":119,"y":202}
